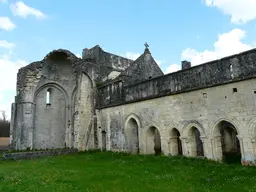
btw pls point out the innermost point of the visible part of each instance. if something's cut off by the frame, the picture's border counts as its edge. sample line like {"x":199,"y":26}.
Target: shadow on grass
{"x":232,"y":158}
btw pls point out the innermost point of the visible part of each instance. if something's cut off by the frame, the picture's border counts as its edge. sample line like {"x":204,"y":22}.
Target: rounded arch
{"x":215,"y":124}
{"x":193,"y":131}
{"x":66,"y":53}
{"x":226,"y":144}
{"x":252,"y":127}
{"x":188,"y":126}
{"x":252,"y":134}
{"x":51,"y":85}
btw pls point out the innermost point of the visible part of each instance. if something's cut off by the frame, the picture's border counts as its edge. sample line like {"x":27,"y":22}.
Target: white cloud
{"x":131,"y":55}
{"x":8,"y":75}
{"x":227,"y":44}
{"x":6,"y":24}
{"x":241,"y":11}
{"x":10,"y":66}
{"x":78,"y":55}
{"x":6,"y":44}
{"x":21,"y":9}
{"x":172,"y":68}
{"x":159,"y":62}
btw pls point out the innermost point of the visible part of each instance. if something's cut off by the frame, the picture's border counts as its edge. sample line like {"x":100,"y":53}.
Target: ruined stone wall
{"x":84,"y":113}
{"x":116,"y":62}
{"x":112,"y":94}
{"x":37,"y":123}
{"x":51,"y":120}
{"x":231,"y":69}
{"x":203,"y":109}
{"x":22,"y":121}
{"x":69,"y":119}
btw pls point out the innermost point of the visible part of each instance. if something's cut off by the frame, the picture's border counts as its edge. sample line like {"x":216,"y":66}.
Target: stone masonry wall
{"x":203,"y":109}
{"x":231,"y":69}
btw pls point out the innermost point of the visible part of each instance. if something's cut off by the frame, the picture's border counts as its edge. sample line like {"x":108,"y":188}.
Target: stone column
{"x":217,"y":148}
{"x":164,"y":145}
{"x":206,"y":146}
{"x":248,"y":151}
{"x":24,"y":125}
{"x":241,"y":142}
{"x":185,"y":146}
{"x":173,"y":146}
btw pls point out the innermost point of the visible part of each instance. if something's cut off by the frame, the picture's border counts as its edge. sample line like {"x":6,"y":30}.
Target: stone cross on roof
{"x":146,"y":45}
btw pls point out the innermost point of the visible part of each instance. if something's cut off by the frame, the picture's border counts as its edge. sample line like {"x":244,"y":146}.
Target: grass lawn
{"x":106,"y":171}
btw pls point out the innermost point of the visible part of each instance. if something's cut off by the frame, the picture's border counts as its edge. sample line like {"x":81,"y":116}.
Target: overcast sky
{"x":176,"y":30}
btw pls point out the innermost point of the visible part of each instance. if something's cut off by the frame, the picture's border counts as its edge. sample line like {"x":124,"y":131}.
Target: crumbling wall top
{"x":61,"y":53}
{"x":108,"y":59}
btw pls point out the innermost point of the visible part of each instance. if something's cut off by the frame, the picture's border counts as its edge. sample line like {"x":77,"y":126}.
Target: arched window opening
{"x":48,"y":96}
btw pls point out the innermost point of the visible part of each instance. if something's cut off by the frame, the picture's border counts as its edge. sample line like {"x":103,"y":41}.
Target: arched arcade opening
{"x":175,"y":143}
{"x":153,"y":141}
{"x":226,"y":143}
{"x":132,"y":135}
{"x":195,"y":144}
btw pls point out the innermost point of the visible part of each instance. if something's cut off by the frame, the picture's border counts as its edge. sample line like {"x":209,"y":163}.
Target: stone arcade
{"x":104,"y":101}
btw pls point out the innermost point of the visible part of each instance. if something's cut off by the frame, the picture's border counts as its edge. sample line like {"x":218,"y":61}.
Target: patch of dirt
{"x":4,"y":141}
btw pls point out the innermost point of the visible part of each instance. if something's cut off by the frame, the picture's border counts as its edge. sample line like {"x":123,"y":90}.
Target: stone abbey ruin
{"x":104,"y":101}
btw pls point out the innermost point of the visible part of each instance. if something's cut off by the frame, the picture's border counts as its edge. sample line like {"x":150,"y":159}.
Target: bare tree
{"x":3,"y":118}
{"x":4,"y":125}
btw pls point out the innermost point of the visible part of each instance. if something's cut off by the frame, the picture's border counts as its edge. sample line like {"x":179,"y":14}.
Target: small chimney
{"x":185,"y":64}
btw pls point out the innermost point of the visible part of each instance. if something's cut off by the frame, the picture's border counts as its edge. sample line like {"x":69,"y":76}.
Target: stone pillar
{"x":150,"y":144}
{"x":241,"y":142}
{"x":192,"y":146}
{"x":173,"y":146}
{"x":164,"y":145}
{"x":217,"y":148}
{"x":83,"y":122}
{"x":207,"y":147}
{"x":249,"y":151}
{"x":185,"y":146}
{"x":24,"y":125}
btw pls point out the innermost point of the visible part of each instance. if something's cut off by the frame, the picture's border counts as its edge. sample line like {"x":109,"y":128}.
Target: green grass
{"x":106,"y":171}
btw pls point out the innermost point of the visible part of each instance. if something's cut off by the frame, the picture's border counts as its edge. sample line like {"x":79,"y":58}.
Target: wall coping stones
{"x":35,"y":154}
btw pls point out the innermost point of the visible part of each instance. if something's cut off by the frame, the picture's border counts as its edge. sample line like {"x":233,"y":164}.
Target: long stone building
{"x":104,"y":101}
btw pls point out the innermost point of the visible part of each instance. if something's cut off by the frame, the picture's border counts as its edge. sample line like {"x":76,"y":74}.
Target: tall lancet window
{"x":48,"y":97}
